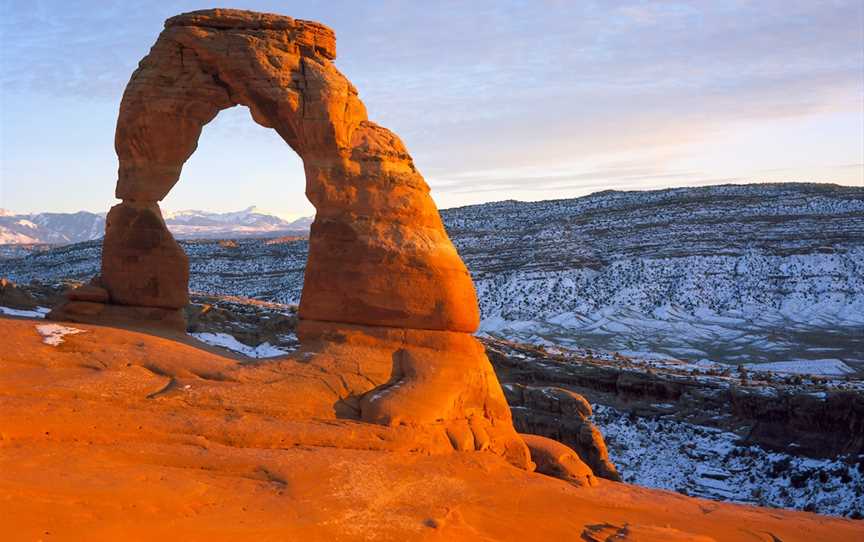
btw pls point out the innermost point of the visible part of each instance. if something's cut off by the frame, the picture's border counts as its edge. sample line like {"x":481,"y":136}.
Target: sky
{"x":526,"y":100}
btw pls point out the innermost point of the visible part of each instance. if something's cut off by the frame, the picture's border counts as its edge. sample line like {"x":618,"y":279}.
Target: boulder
{"x":557,"y":460}
{"x":562,"y":415}
{"x":14,"y":297}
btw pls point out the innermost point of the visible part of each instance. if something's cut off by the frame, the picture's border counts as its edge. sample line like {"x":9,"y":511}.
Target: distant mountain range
{"x":68,"y":228}
{"x":735,"y":273}
{"x":50,"y":228}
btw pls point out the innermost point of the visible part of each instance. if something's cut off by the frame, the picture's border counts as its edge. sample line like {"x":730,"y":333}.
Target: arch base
{"x":125,"y":316}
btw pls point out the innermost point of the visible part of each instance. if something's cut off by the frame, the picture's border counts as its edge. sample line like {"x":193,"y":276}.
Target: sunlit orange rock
{"x":114,"y":434}
{"x":557,"y":460}
{"x":121,"y":435}
{"x":378,"y":253}
{"x":387,"y":304}
{"x":427,"y":380}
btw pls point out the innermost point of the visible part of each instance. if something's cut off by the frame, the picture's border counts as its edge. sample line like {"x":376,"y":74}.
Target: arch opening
{"x":239,"y":164}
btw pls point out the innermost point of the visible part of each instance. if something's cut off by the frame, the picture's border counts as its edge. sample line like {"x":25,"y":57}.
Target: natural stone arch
{"x":387,"y":306}
{"x":378,"y":251}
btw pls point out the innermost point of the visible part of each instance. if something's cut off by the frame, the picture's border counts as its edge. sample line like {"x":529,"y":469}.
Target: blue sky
{"x":495,"y":100}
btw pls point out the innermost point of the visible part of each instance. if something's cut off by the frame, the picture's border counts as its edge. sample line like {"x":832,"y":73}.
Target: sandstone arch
{"x":387,"y":306}
{"x":378,"y":253}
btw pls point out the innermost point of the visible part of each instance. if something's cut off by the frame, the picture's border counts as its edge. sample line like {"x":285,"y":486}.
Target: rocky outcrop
{"x":378,"y":255}
{"x":554,"y":459}
{"x":142,"y":264}
{"x":561,"y":415}
{"x":387,"y":306}
{"x":14,"y":297}
{"x":378,"y":251}
{"x":822,"y":424}
{"x":416,"y":378}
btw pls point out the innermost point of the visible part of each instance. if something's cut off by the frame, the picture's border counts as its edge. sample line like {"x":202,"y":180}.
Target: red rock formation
{"x":565,"y":416}
{"x":387,"y":304}
{"x":14,"y":297}
{"x":378,"y":253}
{"x":142,"y":264}
{"x":557,"y":460}
{"x":438,"y":380}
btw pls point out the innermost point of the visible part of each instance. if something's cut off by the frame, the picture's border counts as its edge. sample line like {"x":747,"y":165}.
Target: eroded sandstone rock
{"x":387,"y":304}
{"x":14,"y":297}
{"x":122,"y":435}
{"x":557,"y":460}
{"x":378,"y":253}
{"x":563,"y":415}
{"x":436,"y":380}
{"x":142,"y":264}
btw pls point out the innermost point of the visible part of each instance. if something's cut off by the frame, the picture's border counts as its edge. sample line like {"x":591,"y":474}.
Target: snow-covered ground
{"x":39,"y":312}
{"x":223,"y":340}
{"x":800,"y":308}
{"x":707,"y":462}
{"x":827,"y":367}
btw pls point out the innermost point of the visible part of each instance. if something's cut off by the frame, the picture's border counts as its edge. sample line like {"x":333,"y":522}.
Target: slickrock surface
{"x":118,"y":435}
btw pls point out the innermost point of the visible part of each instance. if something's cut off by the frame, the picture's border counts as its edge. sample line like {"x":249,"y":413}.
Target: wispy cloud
{"x":566,"y":87}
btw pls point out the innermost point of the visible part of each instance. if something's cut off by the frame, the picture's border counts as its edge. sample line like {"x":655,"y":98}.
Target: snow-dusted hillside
{"x":752,"y":273}
{"x":734,"y":273}
{"x":713,"y":464}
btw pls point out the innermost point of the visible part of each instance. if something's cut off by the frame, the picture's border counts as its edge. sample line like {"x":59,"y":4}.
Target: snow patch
{"x":828,"y":367}
{"x":264,"y":350}
{"x":52,"y":334}
{"x":40,"y":312}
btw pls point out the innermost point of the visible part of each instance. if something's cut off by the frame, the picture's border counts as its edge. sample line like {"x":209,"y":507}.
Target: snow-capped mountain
{"x":248,"y":222}
{"x":734,"y":273}
{"x":67,"y":228}
{"x":50,"y":228}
